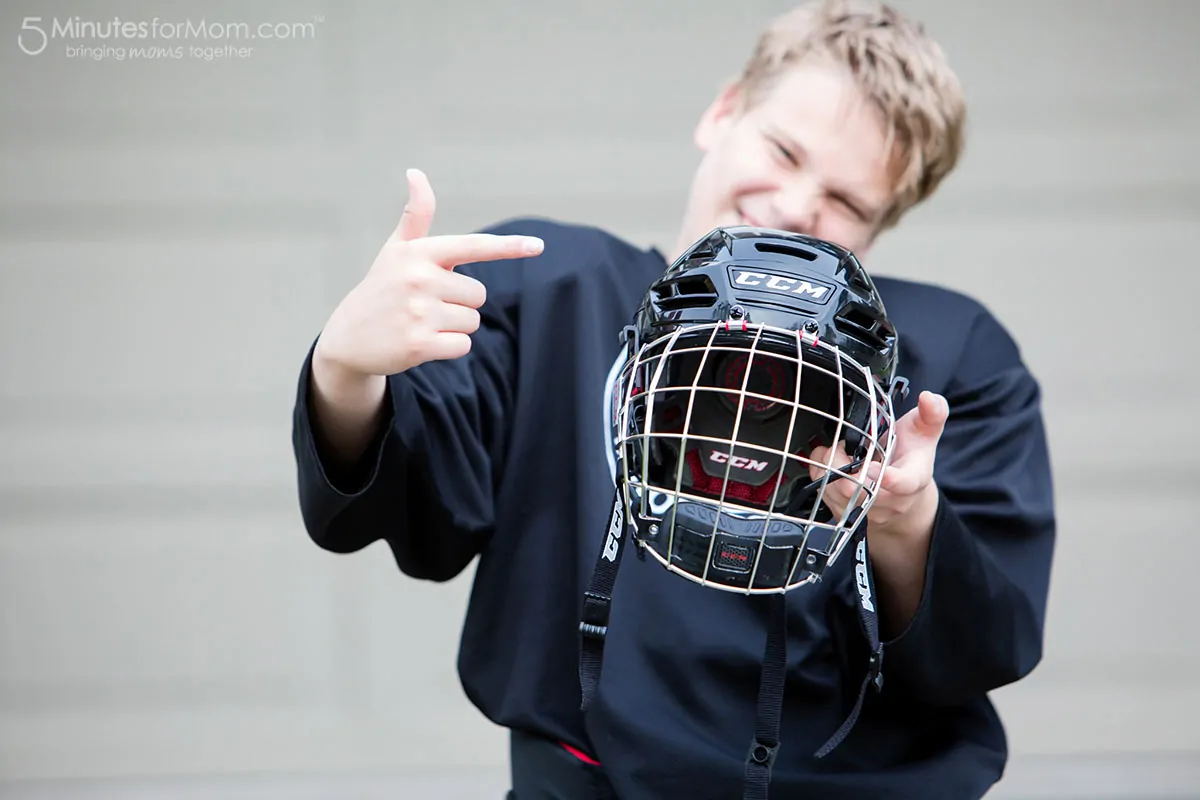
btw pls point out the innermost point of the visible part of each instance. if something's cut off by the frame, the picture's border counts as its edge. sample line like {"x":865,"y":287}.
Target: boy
{"x":454,"y":406}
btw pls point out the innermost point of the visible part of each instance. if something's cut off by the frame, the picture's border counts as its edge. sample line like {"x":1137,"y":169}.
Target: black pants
{"x":543,"y":770}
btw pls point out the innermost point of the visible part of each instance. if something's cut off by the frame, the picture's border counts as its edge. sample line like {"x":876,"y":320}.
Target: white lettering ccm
{"x":738,"y":461}
{"x":779,"y":283}
{"x":613,"y":543}
{"x":860,"y":573}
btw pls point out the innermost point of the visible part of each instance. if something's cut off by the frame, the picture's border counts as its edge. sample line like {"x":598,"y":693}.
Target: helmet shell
{"x":781,"y":279}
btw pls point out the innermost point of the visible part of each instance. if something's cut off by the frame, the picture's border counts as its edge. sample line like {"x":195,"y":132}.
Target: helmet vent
{"x":784,"y":250}
{"x":695,"y":291}
{"x":855,"y":321}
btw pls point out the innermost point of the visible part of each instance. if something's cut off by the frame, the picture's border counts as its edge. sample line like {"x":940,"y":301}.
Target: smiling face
{"x":810,"y":156}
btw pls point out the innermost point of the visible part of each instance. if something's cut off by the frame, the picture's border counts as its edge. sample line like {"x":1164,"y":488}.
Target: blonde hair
{"x":898,"y":68}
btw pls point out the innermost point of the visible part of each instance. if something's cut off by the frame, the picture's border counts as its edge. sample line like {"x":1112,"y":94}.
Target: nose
{"x":797,"y":205}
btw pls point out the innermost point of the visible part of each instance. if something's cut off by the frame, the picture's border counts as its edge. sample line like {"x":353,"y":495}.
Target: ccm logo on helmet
{"x":738,"y":461}
{"x":781,"y":284}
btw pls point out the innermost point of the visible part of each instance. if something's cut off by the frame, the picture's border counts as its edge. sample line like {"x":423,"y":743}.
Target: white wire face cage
{"x":713,"y":431}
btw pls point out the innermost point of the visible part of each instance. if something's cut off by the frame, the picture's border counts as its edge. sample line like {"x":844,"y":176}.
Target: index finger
{"x":450,"y":251}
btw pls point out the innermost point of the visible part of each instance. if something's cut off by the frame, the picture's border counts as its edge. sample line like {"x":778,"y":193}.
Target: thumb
{"x":932,"y":411}
{"x":418,"y":212}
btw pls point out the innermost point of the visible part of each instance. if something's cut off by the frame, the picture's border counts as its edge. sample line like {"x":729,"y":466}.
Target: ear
{"x":723,"y":110}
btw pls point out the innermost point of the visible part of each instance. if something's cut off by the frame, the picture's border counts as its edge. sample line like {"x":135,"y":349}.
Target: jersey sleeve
{"x":427,"y":484}
{"x":979,"y":624}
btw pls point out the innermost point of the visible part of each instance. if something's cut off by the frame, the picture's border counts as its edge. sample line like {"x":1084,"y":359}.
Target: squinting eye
{"x":854,"y":210}
{"x":783,"y":151}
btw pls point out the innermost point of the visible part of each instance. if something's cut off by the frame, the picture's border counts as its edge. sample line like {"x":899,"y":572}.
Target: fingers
{"x":468,"y":248}
{"x":417,"y":218}
{"x":450,"y":251}
{"x":905,"y":478}
{"x":433,"y":307}
{"x":462,"y":290}
{"x":457,"y":319}
{"x":447,"y":345}
{"x":835,"y":493}
{"x":821,"y":455}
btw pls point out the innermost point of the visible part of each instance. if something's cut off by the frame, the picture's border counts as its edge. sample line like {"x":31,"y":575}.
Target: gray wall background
{"x":174,"y":232}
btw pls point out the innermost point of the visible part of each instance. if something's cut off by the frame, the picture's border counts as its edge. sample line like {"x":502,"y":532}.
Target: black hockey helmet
{"x":752,"y":349}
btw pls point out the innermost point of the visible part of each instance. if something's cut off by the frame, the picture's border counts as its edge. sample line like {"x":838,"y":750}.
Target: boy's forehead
{"x":813,"y":94}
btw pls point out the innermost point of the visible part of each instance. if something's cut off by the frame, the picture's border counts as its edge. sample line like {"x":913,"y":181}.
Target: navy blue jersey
{"x":503,"y":456}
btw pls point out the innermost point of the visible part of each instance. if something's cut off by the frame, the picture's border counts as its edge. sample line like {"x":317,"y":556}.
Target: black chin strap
{"x":761,"y":756}
{"x":868,"y":618}
{"x":760,"y":759}
{"x":597,"y":601}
